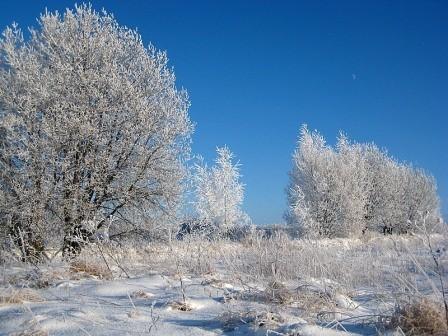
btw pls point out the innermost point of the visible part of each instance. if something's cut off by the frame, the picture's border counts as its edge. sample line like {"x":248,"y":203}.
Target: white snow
{"x":133,"y":306}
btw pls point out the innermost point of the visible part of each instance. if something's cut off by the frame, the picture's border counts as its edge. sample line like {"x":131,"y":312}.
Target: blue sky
{"x":257,"y":70}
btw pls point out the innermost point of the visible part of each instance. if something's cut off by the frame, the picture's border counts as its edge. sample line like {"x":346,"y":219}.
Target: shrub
{"x":420,"y":317}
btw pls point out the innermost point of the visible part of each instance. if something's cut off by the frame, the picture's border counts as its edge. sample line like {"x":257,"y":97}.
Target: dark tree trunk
{"x":74,"y":241}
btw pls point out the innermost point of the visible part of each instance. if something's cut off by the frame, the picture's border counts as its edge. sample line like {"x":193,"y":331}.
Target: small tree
{"x":352,"y":182}
{"x":219,"y":192}
{"x":313,"y":203}
{"x":420,"y":199}
{"x":92,"y":126}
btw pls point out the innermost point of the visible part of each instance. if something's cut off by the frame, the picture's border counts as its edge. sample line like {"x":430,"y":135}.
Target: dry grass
{"x":134,"y":313}
{"x":141,"y":294}
{"x":380,"y":260}
{"x":34,"y":278}
{"x":193,"y":256}
{"x":182,"y":306}
{"x":277,"y":292}
{"x":231,"y":320}
{"x":31,"y":332}
{"x":84,"y":268}
{"x":307,"y":274}
{"x":19,"y":296}
{"x":314,"y":300}
{"x":421,"y":317}
{"x":310,"y":299}
{"x":385,"y":264}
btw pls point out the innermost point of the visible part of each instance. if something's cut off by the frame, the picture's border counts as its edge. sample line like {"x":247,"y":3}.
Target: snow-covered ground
{"x":143,"y":305}
{"x":56,"y":300}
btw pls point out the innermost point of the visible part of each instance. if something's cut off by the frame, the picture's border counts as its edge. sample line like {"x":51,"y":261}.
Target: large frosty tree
{"x":220,"y":193}
{"x":91,"y":126}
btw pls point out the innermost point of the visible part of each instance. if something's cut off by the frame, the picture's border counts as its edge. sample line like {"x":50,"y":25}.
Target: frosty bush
{"x":342,"y":191}
{"x":92,"y":126}
{"x":219,"y":193}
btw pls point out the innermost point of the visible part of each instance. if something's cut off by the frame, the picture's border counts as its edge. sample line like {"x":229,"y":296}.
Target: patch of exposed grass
{"x":420,"y":317}
{"x":19,"y":296}
{"x":232,"y":320}
{"x":83,"y":268}
{"x":182,"y":306}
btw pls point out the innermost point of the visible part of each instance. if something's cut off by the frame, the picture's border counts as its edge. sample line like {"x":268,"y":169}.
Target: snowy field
{"x":197,"y":287}
{"x":111,"y":224}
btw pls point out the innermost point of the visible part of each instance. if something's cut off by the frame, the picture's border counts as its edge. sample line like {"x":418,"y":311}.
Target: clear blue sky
{"x":257,"y":70}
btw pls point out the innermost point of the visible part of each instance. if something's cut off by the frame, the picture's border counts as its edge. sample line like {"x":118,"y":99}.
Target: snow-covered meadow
{"x":110,"y":225}
{"x":258,"y":286}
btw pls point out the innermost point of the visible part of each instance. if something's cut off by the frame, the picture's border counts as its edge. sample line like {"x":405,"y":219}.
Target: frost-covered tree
{"x":313,"y":203}
{"x":219,"y":192}
{"x":345,"y":190}
{"x":352,"y":182}
{"x":383,"y":188}
{"x":92,"y":126}
{"x":398,"y":194}
{"x":419,"y":200}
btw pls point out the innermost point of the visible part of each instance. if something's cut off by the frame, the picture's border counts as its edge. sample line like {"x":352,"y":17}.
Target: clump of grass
{"x":19,"y":296}
{"x":310,"y":298}
{"x":314,"y":299}
{"x":231,"y":320}
{"x":277,"y":292}
{"x":420,"y":317}
{"x":134,"y":313}
{"x":141,"y":294}
{"x":31,"y":332}
{"x":266,"y":319}
{"x":79,"y":267}
{"x":41,"y":279}
{"x":34,"y":278}
{"x":182,"y":306}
